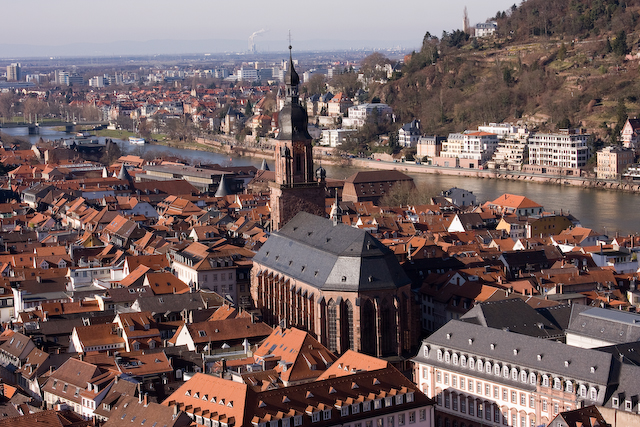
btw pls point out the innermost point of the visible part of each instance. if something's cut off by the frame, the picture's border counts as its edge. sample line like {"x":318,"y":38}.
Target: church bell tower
{"x":297,"y":187}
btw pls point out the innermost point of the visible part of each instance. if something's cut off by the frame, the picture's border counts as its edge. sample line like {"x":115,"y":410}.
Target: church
{"x":337,"y":282}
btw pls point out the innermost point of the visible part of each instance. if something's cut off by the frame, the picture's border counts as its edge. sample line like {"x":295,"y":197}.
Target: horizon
{"x":126,"y":28}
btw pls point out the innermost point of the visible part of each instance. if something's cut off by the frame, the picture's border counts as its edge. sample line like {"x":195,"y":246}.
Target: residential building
{"x":514,"y":204}
{"x":630,"y":133}
{"x":67,"y":383}
{"x":475,"y":147}
{"x":246,"y":74}
{"x":353,"y":392}
{"x":510,"y":153}
{"x":129,"y":410}
{"x":563,"y":150}
{"x":501,"y":129}
{"x":459,"y":197}
{"x":358,"y":115}
{"x":338,"y":105}
{"x":14,"y":72}
{"x":613,"y":162}
{"x":429,"y":146}
{"x":289,"y":351}
{"x":486,"y":29}
{"x":409,"y":134}
{"x":220,"y":337}
{"x":335,"y":137}
{"x":613,"y":256}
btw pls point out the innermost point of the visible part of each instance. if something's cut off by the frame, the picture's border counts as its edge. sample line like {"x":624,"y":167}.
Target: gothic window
{"x":331,"y":327}
{"x":368,"y":329}
{"x":348,"y":327}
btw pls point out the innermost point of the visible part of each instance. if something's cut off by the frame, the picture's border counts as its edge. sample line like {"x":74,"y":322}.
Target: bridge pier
{"x":33,"y":129}
{"x":70,"y":128}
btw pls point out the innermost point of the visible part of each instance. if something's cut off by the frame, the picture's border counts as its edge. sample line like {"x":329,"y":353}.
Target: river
{"x":605,"y":211}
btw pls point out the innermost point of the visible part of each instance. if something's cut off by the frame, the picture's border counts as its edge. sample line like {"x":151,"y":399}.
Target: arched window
{"x":487,"y":367}
{"x":582,"y":390}
{"x":463,"y":361}
{"x":514,"y":374}
{"x":523,"y":376}
{"x":440,"y":355}
{"x":447,"y":357}
{"x":505,"y":371}
{"x":593,"y":393}
{"x":532,"y":378}
{"x":568,"y":387}
{"x":454,"y":358}
{"x":472,"y":363}
{"x":545,"y":381}
{"x":496,"y":369}
{"x":557,"y":384}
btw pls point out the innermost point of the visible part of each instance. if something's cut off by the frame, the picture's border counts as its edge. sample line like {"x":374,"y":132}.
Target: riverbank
{"x":228,"y":146}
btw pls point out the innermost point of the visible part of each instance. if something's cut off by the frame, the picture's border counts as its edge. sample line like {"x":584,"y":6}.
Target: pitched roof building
{"x":337,"y":282}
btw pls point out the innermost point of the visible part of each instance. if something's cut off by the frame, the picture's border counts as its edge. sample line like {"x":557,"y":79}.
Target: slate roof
{"x":170,"y":302}
{"x":514,"y":315}
{"x":608,"y":325}
{"x":456,"y":335}
{"x":311,"y":249}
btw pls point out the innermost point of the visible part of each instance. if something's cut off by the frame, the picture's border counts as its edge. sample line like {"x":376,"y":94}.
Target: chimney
{"x":146,"y":399}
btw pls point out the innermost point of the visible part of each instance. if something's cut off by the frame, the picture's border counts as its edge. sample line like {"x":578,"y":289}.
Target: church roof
{"x":314,"y":251}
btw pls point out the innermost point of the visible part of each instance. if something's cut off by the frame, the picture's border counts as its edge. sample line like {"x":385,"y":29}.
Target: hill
{"x":553,"y":63}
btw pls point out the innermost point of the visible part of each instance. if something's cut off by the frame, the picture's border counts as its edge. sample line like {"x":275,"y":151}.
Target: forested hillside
{"x":553,"y":63}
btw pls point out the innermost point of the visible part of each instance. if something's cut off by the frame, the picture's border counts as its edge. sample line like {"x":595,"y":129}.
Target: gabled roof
{"x":301,"y":356}
{"x":228,"y":330}
{"x":311,"y":249}
{"x":514,"y":201}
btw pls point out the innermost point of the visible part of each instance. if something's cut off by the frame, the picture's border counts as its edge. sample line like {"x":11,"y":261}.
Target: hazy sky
{"x":50,"y":23}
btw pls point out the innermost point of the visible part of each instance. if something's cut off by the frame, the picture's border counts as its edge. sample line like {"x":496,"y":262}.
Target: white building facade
{"x":478,"y":146}
{"x":563,"y":150}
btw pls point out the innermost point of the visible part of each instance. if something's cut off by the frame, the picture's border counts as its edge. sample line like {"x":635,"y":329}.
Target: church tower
{"x":297,"y":187}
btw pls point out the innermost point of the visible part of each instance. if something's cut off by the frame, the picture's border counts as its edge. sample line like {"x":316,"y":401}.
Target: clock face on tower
{"x":298,"y":147}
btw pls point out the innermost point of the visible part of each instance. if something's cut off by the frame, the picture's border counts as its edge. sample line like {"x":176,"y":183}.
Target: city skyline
{"x":78,"y":28}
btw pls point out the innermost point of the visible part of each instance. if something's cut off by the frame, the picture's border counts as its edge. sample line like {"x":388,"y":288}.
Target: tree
{"x":347,"y":83}
{"x":373,"y":65}
{"x":317,"y":84}
{"x":248,"y":109}
{"x":112,"y":153}
{"x":562,"y":52}
{"x":619,"y":45}
{"x":144,"y":128}
{"x":6,"y":105}
{"x":406,"y":193}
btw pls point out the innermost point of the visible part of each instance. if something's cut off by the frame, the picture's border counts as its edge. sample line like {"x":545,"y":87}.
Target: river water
{"x":605,"y":211}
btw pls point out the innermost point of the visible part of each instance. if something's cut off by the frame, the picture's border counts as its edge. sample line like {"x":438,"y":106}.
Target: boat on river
{"x":136,"y":141}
